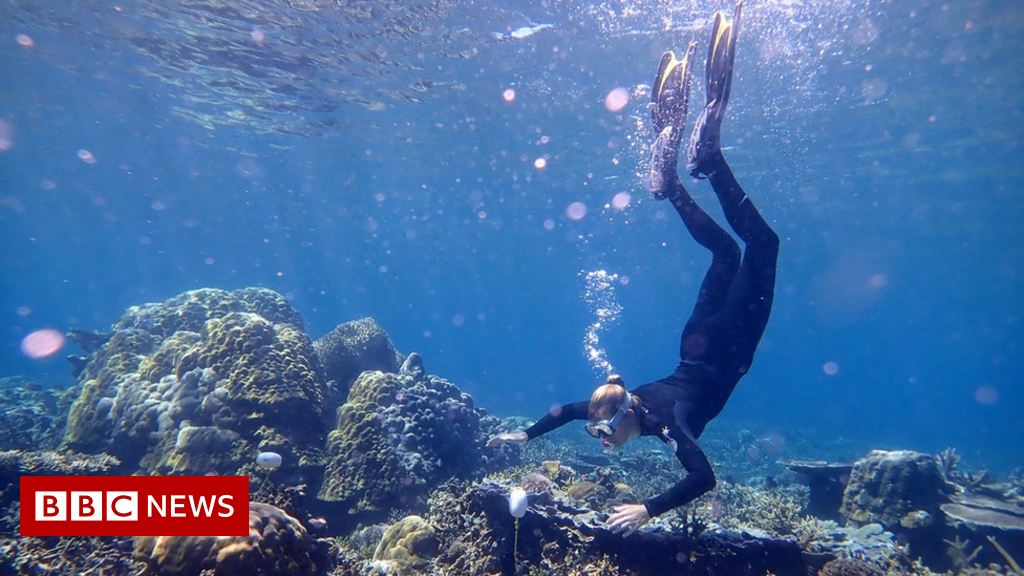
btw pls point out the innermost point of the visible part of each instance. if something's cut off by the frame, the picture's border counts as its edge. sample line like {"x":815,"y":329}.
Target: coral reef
{"x":62,"y":556}
{"x":827,"y":482}
{"x":398,"y":436}
{"x":886,"y":486}
{"x":17,"y":463}
{"x":30,"y":415}
{"x":202,"y":383}
{"x":774,"y":511}
{"x":189,"y":311}
{"x":277,"y":545}
{"x":351,"y":349}
{"x":476,"y":533}
{"x":850,"y":567}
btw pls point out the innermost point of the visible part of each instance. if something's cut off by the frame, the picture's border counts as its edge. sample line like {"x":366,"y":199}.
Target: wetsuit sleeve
{"x":558,"y":417}
{"x":700,"y":479}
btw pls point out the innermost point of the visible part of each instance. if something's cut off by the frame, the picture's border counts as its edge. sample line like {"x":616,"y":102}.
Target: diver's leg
{"x":749,"y":299}
{"x":725,"y":255}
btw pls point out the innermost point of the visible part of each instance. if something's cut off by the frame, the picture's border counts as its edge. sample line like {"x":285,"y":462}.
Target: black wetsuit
{"x":718,"y":342}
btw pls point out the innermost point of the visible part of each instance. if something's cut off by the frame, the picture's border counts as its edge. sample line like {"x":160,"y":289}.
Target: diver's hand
{"x":628,"y":518}
{"x":508,"y":438}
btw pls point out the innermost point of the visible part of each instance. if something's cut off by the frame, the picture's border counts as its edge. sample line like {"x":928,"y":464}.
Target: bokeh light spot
{"x":621,"y":200}
{"x":830,"y":368}
{"x":617,"y":99}
{"x":25,"y":40}
{"x":42,"y":343}
{"x":6,"y":136}
{"x":86,"y":156}
{"x":986,"y":395}
{"x":509,"y":95}
{"x":540,"y":163}
{"x":576,"y":210}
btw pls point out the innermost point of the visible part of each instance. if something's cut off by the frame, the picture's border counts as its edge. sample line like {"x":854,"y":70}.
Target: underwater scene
{"x":602,"y":288}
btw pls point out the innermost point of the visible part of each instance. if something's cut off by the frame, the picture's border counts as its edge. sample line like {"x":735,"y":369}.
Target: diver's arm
{"x":700,"y":478}
{"x":557,"y":418}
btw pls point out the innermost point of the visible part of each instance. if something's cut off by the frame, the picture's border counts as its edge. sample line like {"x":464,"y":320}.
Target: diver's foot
{"x":670,"y":96}
{"x":662,"y":168}
{"x":705,"y":141}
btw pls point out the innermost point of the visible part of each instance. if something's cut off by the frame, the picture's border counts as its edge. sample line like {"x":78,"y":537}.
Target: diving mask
{"x":606,"y":428}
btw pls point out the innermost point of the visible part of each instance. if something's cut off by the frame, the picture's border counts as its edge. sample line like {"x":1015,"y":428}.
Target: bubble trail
{"x":603,"y":302}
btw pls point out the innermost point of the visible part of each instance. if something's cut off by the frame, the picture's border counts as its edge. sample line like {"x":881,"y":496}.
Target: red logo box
{"x":134,"y":505}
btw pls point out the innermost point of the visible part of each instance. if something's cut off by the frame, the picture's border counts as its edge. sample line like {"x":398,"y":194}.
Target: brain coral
{"x":407,"y":545}
{"x":277,"y":545}
{"x":398,"y":435}
{"x":353,"y":347}
{"x":200,"y":383}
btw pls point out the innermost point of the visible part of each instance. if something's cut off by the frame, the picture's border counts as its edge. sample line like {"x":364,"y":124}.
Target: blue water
{"x":364,"y":162}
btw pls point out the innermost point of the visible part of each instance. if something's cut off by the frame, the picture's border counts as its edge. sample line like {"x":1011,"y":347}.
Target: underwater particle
{"x":42,"y":343}
{"x":458,"y":320}
{"x":830,"y":368}
{"x":621,"y":200}
{"x":549,"y":224}
{"x":86,"y":156}
{"x":23,"y":311}
{"x":866,"y":33}
{"x":509,"y":95}
{"x":576,"y":210}
{"x":874,"y":90}
{"x":25,"y":40}
{"x":48,"y":185}
{"x":258,"y":36}
{"x":6,"y":136}
{"x":986,"y":395}
{"x":540,"y":163}
{"x":617,"y":99}
{"x":878,"y":281}
{"x":268,"y":460}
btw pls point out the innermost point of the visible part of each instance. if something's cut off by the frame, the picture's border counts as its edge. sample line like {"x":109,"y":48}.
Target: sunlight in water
{"x":599,"y":294}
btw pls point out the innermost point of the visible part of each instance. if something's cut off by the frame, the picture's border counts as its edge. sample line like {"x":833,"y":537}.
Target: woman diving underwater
{"x":732,"y":308}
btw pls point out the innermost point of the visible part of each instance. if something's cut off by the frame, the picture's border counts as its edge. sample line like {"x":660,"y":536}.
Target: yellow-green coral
{"x":363,"y":465}
{"x":408,"y":544}
{"x":268,"y":367}
{"x":202,"y":383}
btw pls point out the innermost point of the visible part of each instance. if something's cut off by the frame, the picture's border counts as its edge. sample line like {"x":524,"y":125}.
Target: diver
{"x":732,"y":308}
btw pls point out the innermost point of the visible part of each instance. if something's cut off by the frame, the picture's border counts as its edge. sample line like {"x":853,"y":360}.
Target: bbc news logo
{"x":134,"y":505}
